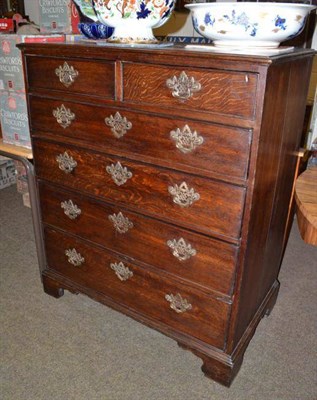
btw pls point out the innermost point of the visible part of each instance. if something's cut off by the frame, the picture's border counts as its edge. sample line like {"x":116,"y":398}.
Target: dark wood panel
{"x":274,"y":174}
{"x":150,"y":136}
{"x":294,"y":120}
{"x":224,"y":92}
{"x":218,"y":210}
{"x":94,"y":78}
{"x":212,"y":266}
{"x":145,"y":291}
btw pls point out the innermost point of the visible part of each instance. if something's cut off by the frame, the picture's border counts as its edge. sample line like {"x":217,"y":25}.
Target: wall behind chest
{"x":32,"y":10}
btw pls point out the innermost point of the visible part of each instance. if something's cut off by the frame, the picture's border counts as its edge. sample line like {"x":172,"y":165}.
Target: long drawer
{"x":72,"y":76}
{"x":203,"y":204}
{"x":141,"y":290}
{"x":222,"y":92}
{"x":209,"y":148}
{"x":189,"y":256}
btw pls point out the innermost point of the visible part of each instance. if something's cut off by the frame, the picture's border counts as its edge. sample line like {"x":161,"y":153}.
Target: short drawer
{"x":209,"y":148}
{"x":71,"y":75}
{"x":141,"y":290}
{"x":189,"y":256}
{"x":199,"y":203}
{"x":222,"y":92}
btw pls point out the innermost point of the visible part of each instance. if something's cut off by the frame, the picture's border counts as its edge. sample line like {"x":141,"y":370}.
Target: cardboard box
{"x":21,"y":177}
{"x":26,"y":199}
{"x":72,"y":38}
{"x":7,"y":173}
{"x":14,"y":119}
{"x":11,"y":70}
{"x":20,"y":168}
{"x":22,"y":184}
{"x":75,"y":18}
{"x":58,"y":16}
{"x":6,"y":25}
{"x":50,"y":38}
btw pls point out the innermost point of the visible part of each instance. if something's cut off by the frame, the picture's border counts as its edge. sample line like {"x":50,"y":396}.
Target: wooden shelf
{"x":16,"y":150}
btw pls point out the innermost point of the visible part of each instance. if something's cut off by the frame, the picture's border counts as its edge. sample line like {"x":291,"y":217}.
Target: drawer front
{"x":71,"y":75}
{"x":192,"y":257}
{"x":208,"y":147}
{"x":222,"y":92}
{"x":140,"y":290}
{"x":199,"y":203}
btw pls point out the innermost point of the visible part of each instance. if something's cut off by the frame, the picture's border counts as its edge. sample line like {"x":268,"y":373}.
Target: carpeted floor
{"x":76,"y":349}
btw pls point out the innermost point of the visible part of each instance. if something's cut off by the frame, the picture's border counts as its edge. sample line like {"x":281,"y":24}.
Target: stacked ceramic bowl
{"x":89,"y":25}
{"x":130,"y":21}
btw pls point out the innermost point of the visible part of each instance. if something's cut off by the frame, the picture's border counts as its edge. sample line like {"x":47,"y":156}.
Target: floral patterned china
{"x":133,"y":20}
{"x":86,"y":9}
{"x":89,"y":25}
{"x":249,"y":24}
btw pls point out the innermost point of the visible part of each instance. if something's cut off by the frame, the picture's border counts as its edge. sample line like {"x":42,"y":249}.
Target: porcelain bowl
{"x":249,"y":24}
{"x":86,"y":10}
{"x":95,"y":30}
{"x":133,"y":20}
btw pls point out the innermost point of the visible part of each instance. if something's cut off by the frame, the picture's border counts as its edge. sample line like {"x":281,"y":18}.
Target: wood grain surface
{"x":249,"y":110}
{"x":306,"y":200}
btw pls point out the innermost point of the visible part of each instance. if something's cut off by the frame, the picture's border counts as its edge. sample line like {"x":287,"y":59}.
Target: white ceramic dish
{"x":249,"y":24}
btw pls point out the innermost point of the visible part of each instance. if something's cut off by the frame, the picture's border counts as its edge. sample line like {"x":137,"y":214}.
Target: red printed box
{"x":11,"y":71}
{"x":75,"y":18}
{"x":14,"y":119}
{"x":57,"y":38}
{"x":6,"y":25}
{"x":58,"y":16}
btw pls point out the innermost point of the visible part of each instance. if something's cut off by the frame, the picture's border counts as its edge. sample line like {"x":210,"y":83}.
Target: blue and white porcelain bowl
{"x":249,"y":24}
{"x":95,"y":30}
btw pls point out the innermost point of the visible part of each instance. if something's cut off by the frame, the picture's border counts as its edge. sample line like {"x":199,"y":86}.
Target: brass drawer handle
{"x":119,"y":125}
{"x":122,"y":272}
{"x":121,"y":223}
{"x":180,"y":249}
{"x":74,"y":257}
{"x":64,"y":116}
{"x":183,"y":87}
{"x":66,"y":163}
{"x":70,"y":209}
{"x":178,"y":304}
{"x":119,"y":174}
{"x":186,"y":140}
{"x":182,"y":195}
{"x":66,"y":74}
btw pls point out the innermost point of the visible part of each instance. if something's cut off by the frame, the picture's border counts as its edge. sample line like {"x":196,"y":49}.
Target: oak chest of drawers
{"x":164,"y":180}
